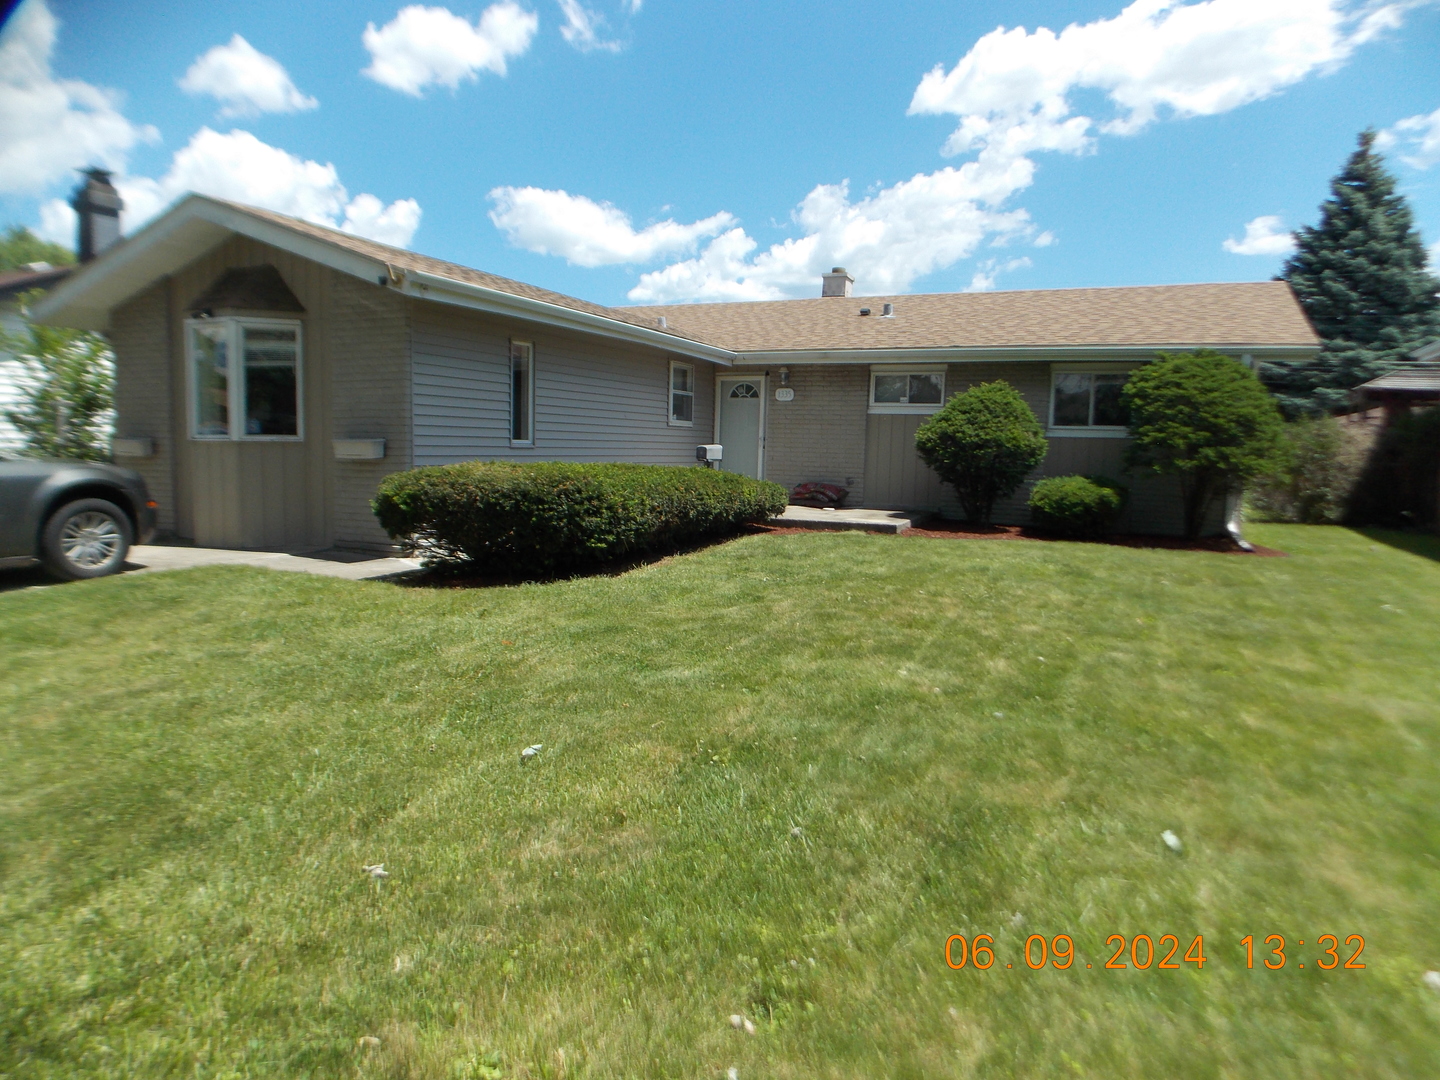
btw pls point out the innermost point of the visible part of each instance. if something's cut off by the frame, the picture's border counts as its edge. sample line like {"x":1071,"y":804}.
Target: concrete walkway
{"x":350,"y":565}
{"x":807,"y":517}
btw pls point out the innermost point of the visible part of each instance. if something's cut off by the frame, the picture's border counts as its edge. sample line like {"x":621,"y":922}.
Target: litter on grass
{"x":377,"y":871}
{"x":1172,"y":841}
{"x":529,"y":752}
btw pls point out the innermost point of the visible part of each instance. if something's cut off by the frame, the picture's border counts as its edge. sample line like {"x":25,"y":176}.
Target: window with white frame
{"x":245,"y":379}
{"x":522,"y":394}
{"x":682,"y":394}
{"x":920,"y":390}
{"x":1088,"y":399}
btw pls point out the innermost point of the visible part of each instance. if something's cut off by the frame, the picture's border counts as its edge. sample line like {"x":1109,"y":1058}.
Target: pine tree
{"x":1360,"y":275}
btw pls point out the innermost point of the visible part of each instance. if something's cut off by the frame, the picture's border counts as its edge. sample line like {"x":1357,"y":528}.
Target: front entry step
{"x":881,"y":521}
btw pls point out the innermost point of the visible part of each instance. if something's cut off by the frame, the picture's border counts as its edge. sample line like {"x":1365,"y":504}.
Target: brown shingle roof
{"x":409,"y":260}
{"x":18,"y":281}
{"x":1252,"y":313}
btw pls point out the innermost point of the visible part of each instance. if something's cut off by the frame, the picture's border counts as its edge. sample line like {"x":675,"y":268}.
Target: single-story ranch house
{"x":270,"y":372}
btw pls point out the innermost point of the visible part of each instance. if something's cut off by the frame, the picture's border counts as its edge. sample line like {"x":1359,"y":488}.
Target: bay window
{"x":245,"y":379}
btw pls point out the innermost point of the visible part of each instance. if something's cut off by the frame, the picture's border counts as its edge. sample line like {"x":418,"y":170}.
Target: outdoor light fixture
{"x":784,"y":376}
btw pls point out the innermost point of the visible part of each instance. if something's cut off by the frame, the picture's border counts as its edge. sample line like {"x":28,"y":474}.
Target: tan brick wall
{"x":140,"y":336}
{"x":820,"y":436}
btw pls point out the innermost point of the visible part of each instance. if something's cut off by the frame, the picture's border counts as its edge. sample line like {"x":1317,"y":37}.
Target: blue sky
{"x":632,"y":151}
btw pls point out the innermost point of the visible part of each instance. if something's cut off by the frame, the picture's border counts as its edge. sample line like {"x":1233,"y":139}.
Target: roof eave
{"x":990,"y":353}
{"x":197,"y":224}
{"x":189,"y":229}
{"x":441,"y":289}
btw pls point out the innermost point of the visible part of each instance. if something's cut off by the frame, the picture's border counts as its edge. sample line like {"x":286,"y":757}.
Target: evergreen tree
{"x":1360,"y":275}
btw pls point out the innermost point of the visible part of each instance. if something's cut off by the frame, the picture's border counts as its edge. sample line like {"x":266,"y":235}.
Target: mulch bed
{"x":940,"y":529}
{"x":958,"y":530}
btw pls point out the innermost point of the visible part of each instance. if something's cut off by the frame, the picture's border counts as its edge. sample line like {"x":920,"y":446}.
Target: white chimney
{"x":836,"y":283}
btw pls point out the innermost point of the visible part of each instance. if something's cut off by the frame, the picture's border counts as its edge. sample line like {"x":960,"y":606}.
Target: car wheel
{"x":88,"y":538}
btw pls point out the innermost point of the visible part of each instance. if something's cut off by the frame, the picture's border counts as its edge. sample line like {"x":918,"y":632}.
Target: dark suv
{"x":78,"y":518}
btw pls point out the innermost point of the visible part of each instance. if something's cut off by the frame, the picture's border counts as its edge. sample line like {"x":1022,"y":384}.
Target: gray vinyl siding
{"x":594,"y":400}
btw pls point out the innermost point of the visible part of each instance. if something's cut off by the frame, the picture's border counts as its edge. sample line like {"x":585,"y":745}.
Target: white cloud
{"x":887,"y":240}
{"x":587,"y":233}
{"x":984,"y":277}
{"x":366,"y":215}
{"x":1012,"y":89}
{"x":57,"y":223}
{"x":239,"y":167}
{"x":1265,"y":235}
{"x":582,"y":28}
{"x":424,"y":45}
{"x":632,"y":6}
{"x":245,"y":81}
{"x":1014,"y":94}
{"x":50,"y":126}
{"x":1435,"y":257}
{"x":1420,"y":135}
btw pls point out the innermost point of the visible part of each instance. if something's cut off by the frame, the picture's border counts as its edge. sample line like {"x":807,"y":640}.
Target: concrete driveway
{"x":151,"y":558}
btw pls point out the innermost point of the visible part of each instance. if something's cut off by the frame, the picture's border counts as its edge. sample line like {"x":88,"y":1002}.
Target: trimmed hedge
{"x":1083,"y":507}
{"x":547,"y":516}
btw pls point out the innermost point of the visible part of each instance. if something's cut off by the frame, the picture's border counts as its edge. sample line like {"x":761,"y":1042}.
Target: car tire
{"x":88,"y":538}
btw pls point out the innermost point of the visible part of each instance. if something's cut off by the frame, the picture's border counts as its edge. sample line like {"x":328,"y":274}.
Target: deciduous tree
{"x":1205,"y":419}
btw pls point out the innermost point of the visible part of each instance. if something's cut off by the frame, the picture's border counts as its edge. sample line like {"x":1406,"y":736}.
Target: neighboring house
{"x":13,"y":285}
{"x":270,"y":372}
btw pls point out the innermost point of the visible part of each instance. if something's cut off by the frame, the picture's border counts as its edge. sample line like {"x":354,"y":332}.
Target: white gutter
{"x":976,"y":354}
{"x":425,"y":286}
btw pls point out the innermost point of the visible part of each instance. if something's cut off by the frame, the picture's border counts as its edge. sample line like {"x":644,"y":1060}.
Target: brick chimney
{"x":836,"y":283}
{"x":97,"y":205}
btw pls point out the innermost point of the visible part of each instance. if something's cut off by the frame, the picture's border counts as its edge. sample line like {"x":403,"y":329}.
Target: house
{"x":97,"y":205}
{"x":14,"y":284}
{"x":270,"y":372}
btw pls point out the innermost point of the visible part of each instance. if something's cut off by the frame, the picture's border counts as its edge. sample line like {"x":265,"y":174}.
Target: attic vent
{"x":864,"y":311}
{"x":247,"y":288}
{"x":660,"y":321}
{"x":887,"y":311}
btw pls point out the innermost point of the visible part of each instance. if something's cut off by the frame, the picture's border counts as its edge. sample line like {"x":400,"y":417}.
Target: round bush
{"x":542,"y":517}
{"x":1084,"y":507}
{"x":984,"y":443}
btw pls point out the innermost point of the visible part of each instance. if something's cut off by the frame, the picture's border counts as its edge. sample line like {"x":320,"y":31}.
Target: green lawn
{"x":196,"y":765}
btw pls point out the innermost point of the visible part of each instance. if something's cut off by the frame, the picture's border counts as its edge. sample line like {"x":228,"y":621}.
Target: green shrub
{"x":984,"y":443}
{"x":1205,"y":419}
{"x":1083,"y":507}
{"x":1313,"y":476}
{"x":547,"y":516}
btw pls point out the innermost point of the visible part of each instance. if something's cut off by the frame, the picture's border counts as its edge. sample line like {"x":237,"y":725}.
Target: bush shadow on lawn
{"x":466,"y":576}
{"x":1424,"y":544}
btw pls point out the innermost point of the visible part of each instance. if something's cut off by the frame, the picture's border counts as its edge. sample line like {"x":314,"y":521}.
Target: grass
{"x":195,"y":766}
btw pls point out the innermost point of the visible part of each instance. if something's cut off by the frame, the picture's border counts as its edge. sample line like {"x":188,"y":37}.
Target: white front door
{"x":742,"y":403}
